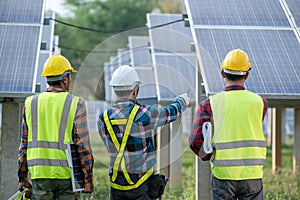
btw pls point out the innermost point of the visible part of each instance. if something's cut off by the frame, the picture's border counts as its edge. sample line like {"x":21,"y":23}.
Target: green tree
{"x":110,"y":15}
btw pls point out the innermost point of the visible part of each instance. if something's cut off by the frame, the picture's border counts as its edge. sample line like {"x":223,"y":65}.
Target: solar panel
{"x":123,"y":57}
{"x":21,"y":11}
{"x":19,"y":51}
{"x":162,"y":19}
{"x":170,"y":38}
{"x":139,"y":50}
{"x":176,"y":75}
{"x":274,"y":56}
{"x":173,"y":59}
{"x":269,"y":40}
{"x":147,"y":88}
{"x":237,"y":12}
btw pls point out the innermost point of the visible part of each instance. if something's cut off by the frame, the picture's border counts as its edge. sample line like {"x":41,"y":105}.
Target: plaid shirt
{"x":80,"y":138}
{"x":139,"y":152}
{"x":204,"y":114}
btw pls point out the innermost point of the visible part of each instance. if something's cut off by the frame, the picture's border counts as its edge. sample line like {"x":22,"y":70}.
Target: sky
{"x":56,"y":6}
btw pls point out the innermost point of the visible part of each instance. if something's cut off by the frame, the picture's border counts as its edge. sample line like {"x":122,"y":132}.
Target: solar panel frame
{"x":294,"y":8}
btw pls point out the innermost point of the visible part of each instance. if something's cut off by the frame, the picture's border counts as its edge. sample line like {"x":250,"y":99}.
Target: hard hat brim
{"x":240,"y":73}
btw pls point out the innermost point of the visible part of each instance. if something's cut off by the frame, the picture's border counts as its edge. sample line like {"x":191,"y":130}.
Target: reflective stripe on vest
{"x":120,"y":160}
{"x":46,"y":140}
{"x":239,"y":142}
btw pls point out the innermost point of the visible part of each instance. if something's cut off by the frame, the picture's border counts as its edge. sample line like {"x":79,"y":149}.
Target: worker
{"x":238,"y":142}
{"x":50,"y":120}
{"x":126,"y":130}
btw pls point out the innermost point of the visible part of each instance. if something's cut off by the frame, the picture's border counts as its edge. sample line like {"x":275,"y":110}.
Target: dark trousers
{"x":140,"y":193}
{"x":241,"y":190}
{"x":53,"y":189}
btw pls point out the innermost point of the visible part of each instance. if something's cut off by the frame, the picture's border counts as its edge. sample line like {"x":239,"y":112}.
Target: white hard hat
{"x":124,"y":78}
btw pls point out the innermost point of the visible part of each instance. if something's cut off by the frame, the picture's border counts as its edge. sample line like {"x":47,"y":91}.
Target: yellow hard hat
{"x":57,"y":65}
{"x":236,"y":62}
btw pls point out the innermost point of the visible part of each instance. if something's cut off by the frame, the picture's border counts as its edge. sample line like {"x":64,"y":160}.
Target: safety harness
{"x":120,"y":160}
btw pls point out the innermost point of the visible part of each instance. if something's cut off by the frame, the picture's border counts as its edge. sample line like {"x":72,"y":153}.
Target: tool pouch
{"x":157,"y":186}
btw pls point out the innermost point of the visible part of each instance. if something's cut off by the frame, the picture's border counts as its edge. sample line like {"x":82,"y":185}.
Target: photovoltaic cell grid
{"x":21,"y":11}
{"x":237,"y":12}
{"x":274,"y":56}
{"x":274,"y":51}
{"x":18,"y":50}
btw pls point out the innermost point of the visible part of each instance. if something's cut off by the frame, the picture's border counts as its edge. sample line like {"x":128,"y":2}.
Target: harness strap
{"x":136,"y":185}
{"x":120,"y":156}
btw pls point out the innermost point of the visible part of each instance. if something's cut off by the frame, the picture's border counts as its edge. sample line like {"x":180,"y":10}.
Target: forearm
{"x":170,"y":113}
{"x":22,"y":160}
{"x":82,"y":141}
{"x":202,"y":115}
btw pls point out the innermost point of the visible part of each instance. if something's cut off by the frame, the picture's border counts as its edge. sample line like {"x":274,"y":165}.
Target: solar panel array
{"x":261,"y":28}
{"x":20,"y":30}
{"x":173,"y":60}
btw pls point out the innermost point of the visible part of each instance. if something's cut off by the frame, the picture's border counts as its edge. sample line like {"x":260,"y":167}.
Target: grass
{"x":285,"y":186}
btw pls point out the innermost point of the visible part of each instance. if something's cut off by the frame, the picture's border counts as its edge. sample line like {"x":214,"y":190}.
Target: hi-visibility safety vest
{"x":240,"y":149}
{"x":120,"y":161}
{"x":50,"y":118}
